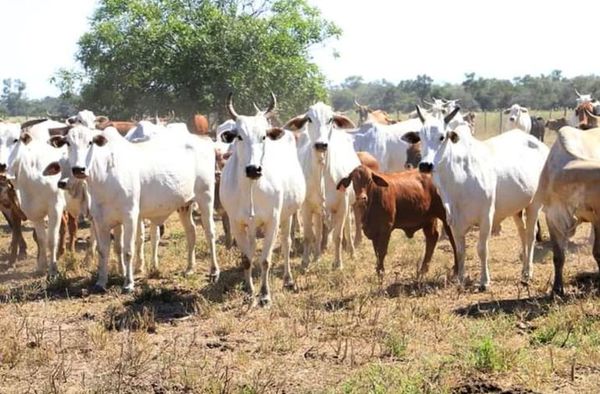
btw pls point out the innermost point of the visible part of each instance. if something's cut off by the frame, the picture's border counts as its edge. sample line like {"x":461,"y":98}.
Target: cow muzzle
{"x":512,"y":119}
{"x":425,"y":167}
{"x":79,"y":172}
{"x":321,"y":146}
{"x":253,"y":172}
{"x":62,"y":184}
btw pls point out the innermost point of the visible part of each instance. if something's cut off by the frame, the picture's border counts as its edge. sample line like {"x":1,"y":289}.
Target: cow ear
{"x":506,"y":111}
{"x":379,"y":181}
{"x":52,"y":169}
{"x":59,"y":130}
{"x":296,"y":123}
{"x":99,"y":140}
{"x":344,"y":183}
{"x":343,"y":122}
{"x":275,"y":133}
{"x":25,"y":138}
{"x":523,"y":109}
{"x":412,"y":137}
{"x":453,"y":136}
{"x":228,"y":136}
{"x":57,"y":141}
{"x":101,"y":119}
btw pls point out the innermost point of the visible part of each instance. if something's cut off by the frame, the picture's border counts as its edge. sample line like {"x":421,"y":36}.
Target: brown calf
{"x":413,"y":156}
{"x":122,"y":126}
{"x":198,"y":124}
{"x":367,"y":160}
{"x":556,"y":124}
{"x":14,"y":216}
{"x":406,"y":200}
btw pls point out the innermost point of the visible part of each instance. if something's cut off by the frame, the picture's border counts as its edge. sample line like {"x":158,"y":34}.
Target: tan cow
{"x":569,"y":188}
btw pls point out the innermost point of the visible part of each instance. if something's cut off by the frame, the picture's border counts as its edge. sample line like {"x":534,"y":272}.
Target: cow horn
{"x":230,"y":109}
{"x":577,"y":93}
{"x":591,"y":114}
{"x":420,"y":114}
{"x":451,"y":115}
{"x":356,"y":102}
{"x":32,"y":122}
{"x":427,"y":102}
{"x":272,"y":105}
{"x":258,"y":110}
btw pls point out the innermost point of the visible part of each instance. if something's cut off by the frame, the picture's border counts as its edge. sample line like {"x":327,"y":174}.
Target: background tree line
{"x":142,"y":57}
{"x":476,"y":93}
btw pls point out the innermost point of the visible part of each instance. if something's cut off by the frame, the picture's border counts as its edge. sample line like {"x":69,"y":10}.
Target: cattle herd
{"x":318,"y":170}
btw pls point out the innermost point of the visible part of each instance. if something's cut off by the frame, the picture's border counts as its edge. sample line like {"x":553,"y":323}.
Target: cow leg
{"x":531,"y":223}
{"x":339,"y":219}
{"x":118,"y":248}
{"x":357,"y":210}
{"x":431,"y":237}
{"x":72,"y":227}
{"x":41,"y":240}
{"x":129,"y":237}
{"x":271,"y":230}
{"x":380,"y":246}
{"x":309,"y":235}
{"x":62,"y":234}
{"x":90,"y":254}
{"x":446,"y":229}
{"x":347,"y":232}
{"x":210,"y":232}
{"x":139,"y":248}
{"x":286,"y":240}
{"x":19,"y":235}
{"x":485,"y":231}
{"x":596,"y":247}
{"x":227,"y":230}
{"x":55,"y":218}
{"x":240,"y":234}
{"x":518,"y":219}
{"x":187,"y":221}
{"x":154,"y":240}
{"x":103,"y":239}
{"x":559,"y":243}
{"x":459,"y":234}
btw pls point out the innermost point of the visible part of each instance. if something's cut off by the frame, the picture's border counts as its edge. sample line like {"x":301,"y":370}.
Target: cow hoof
{"x":290,"y":285}
{"x":98,"y":289}
{"x":483,"y":288}
{"x":213,"y":277}
{"x":127,"y":289}
{"x":265,"y":301}
{"x":189,"y":272}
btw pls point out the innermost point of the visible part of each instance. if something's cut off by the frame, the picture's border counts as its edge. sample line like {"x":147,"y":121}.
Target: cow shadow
{"x":61,"y":287}
{"x":586,"y":284}
{"x":415,"y":288}
{"x":230,"y":280}
{"x":150,"y":306}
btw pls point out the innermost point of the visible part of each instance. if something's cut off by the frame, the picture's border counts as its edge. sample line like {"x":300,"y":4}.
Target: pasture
{"x":344,"y":331}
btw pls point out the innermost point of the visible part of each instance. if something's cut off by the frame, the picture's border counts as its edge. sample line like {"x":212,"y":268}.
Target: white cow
{"x":261,"y":186}
{"x":518,"y":118}
{"x":148,"y":180}
{"x":38,"y":194}
{"x":482,"y":183}
{"x":9,"y":136}
{"x":327,"y":157}
{"x":387,"y":143}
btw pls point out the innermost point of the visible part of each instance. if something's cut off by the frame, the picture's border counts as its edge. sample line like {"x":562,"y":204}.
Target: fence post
{"x":485,"y":121}
{"x":500,"y":127}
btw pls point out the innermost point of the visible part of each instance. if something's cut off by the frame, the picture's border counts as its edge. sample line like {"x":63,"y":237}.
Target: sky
{"x":382,"y":39}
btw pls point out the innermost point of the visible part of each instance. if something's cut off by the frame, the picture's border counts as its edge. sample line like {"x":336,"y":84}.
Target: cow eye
{"x":264,"y":137}
{"x":330,"y":121}
{"x":15,"y":140}
{"x":441,"y":138}
{"x":309,"y":120}
{"x":239,"y":137}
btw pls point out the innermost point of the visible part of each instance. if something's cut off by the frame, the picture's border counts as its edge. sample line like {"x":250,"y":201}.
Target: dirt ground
{"x":340,"y":331}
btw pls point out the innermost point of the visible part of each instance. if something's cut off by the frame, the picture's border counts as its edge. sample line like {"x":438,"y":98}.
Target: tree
{"x":69,"y":83}
{"x":160,"y":55}
{"x":13,"y":98}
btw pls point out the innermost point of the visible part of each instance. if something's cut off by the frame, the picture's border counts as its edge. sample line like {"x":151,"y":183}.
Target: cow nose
{"x":512,"y":118}
{"x":362,"y":198}
{"x":79,"y":172}
{"x":253,"y":172}
{"x":62,"y":184}
{"x":425,"y":167}
{"x":321,"y":146}
{"x":2,"y":167}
